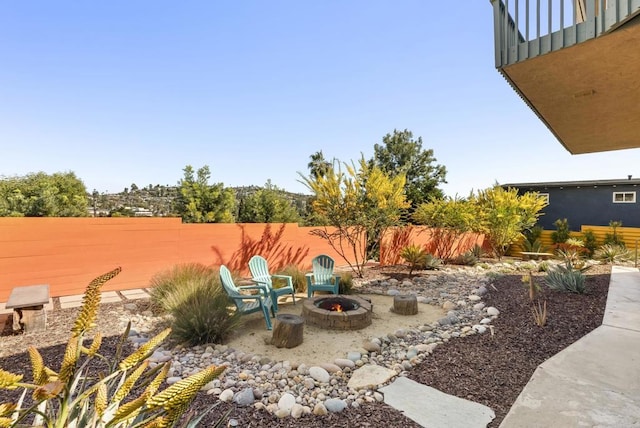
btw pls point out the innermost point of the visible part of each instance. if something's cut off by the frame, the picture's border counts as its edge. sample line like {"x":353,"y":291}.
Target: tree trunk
{"x":288,"y":330}
{"x":405,"y":304}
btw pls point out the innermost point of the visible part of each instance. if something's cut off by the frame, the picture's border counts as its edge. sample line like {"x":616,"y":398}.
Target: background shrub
{"x":562,"y":232}
{"x":590,"y":242}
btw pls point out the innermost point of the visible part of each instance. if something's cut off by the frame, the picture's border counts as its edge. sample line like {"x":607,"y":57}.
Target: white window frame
{"x":544,"y":196}
{"x":627,"y":197}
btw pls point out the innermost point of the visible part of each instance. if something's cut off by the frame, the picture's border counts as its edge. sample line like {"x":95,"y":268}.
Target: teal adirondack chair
{"x":260,"y":274}
{"x":322,"y":277}
{"x":248,"y":303}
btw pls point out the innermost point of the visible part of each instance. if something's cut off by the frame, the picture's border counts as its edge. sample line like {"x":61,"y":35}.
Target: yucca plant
{"x":415,"y":256}
{"x":74,"y":397}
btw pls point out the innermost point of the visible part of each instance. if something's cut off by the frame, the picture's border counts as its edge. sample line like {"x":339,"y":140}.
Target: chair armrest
{"x":288,"y":278}
{"x":261,"y":280}
{"x":262,"y":288}
{"x":248,"y":297}
{"x":309,"y":277}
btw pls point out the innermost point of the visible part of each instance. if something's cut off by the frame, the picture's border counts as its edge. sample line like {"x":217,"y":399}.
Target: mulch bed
{"x":490,"y":369}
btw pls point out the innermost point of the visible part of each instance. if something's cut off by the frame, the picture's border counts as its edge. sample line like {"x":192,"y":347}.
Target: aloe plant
{"x":73,"y":397}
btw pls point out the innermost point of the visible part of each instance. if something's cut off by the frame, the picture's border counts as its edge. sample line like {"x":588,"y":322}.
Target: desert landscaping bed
{"x":489,"y":368}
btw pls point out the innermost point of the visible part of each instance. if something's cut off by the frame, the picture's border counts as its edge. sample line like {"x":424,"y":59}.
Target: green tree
{"x":267,"y":205}
{"x":43,"y":195}
{"x":201,"y":202}
{"x":504,"y":215}
{"x":355,"y":202}
{"x":318,"y":166}
{"x":400,"y":153}
{"x":451,"y":219}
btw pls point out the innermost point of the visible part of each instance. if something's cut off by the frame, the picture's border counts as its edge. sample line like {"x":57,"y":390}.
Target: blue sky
{"x":125,"y":92}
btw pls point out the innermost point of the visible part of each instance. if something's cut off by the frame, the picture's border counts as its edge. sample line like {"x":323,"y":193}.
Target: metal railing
{"x":527,"y":28}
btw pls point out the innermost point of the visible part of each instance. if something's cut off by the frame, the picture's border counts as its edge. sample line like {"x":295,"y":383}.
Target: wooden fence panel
{"x":67,"y":253}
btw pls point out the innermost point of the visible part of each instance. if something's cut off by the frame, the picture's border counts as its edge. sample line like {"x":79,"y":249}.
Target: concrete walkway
{"x":594,"y":382}
{"x":76,"y":300}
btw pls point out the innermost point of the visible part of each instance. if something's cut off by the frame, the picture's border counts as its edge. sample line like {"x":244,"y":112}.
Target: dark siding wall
{"x":589,"y":205}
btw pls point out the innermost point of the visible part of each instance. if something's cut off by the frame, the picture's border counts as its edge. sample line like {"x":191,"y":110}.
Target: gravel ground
{"x":490,"y":369}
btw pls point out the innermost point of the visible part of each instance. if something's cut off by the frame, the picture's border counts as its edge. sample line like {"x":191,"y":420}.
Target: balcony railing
{"x":525,"y":29}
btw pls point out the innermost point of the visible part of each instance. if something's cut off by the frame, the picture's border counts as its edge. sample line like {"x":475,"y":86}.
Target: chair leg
{"x":267,"y":319}
{"x":293,"y":296}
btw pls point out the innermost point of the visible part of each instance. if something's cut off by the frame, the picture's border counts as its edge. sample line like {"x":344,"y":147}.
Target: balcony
{"x":576,"y":63}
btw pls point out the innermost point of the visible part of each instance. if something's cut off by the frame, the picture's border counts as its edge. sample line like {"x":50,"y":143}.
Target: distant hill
{"x":158,"y":201}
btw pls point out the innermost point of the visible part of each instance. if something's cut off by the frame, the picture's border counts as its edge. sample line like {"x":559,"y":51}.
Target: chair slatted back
{"x":322,"y":266}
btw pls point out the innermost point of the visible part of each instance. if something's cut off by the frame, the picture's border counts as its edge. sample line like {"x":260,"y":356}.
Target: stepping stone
{"x":434,"y":409}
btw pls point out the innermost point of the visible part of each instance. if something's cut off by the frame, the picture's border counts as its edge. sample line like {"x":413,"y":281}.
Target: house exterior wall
{"x":591,"y":205}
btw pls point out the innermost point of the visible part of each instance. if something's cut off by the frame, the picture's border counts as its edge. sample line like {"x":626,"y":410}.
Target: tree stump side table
{"x":288,"y":330}
{"x":405,"y":304}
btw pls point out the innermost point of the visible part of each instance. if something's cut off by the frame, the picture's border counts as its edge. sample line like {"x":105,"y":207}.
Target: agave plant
{"x":75,"y":397}
{"x":566,"y":278}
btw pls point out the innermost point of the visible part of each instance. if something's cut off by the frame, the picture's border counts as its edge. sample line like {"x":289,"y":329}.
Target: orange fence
{"x":436,"y":242}
{"x":67,"y":253}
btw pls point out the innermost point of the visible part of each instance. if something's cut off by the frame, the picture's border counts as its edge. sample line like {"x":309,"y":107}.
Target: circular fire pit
{"x":337,"y":312}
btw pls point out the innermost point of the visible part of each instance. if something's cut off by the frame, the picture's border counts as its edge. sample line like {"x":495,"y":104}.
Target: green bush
{"x":562,"y":232}
{"x":566,"y":278}
{"x":92,"y":390}
{"x":614,"y":238}
{"x":590,"y":242}
{"x":611,"y":253}
{"x":200,"y":309}
{"x":297,"y":277}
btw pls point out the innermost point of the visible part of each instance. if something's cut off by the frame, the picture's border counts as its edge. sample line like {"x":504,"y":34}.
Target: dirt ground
{"x":324,"y":346}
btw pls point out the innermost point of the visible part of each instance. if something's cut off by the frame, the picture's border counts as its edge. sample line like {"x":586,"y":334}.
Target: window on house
{"x":544,"y":197}
{"x":624,"y":197}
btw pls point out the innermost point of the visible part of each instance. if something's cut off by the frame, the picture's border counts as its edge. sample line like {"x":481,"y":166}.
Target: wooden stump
{"x":287,"y":332}
{"x":405,"y":304}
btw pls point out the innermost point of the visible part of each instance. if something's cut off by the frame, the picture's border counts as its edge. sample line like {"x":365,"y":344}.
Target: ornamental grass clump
{"x":200,"y":309}
{"x":77,"y":397}
{"x":297,"y":277}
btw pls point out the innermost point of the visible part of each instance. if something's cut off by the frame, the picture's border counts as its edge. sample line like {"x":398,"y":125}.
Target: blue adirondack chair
{"x":260,"y":274}
{"x":322,"y":277}
{"x":248,"y":303}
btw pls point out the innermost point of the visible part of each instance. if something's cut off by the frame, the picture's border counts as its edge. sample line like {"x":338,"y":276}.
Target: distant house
{"x":591,"y":202}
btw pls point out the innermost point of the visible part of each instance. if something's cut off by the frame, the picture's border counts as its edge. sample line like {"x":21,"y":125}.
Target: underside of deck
{"x":588,"y":94}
